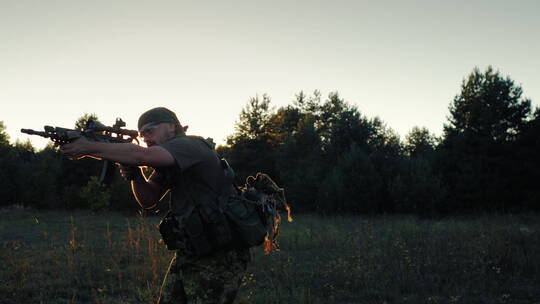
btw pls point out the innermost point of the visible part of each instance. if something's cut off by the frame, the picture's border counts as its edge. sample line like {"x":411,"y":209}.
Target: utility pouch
{"x":217,"y":226}
{"x":200,"y":232}
{"x":247,"y":221}
{"x":170,"y":231}
{"x":197,"y":239}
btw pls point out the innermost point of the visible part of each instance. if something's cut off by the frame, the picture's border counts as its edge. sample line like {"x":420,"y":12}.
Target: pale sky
{"x":403,"y":61}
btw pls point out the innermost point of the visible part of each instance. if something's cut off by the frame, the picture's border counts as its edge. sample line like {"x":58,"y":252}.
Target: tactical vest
{"x":231,"y":217}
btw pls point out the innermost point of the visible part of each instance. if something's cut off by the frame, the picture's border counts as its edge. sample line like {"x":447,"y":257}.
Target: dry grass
{"x":59,"y":257}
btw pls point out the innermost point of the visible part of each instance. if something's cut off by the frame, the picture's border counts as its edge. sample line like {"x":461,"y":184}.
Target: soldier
{"x":189,"y":168}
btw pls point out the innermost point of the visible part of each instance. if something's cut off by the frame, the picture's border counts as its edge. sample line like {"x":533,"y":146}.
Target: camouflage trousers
{"x":210,"y":279}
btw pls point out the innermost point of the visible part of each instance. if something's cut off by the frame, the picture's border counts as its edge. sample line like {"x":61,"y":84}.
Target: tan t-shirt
{"x":197,"y":167}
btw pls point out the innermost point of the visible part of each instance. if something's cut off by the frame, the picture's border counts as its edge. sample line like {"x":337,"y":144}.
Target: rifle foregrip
{"x":107,"y":172}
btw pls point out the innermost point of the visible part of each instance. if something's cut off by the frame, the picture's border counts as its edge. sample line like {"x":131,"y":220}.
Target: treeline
{"x":332,"y":159}
{"x":46,"y":179}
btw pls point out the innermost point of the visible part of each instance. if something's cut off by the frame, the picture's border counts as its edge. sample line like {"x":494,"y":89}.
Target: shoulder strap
{"x":208,"y":141}
{"x":227,"y":187}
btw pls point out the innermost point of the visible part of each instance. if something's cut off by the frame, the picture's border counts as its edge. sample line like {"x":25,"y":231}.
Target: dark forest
{"x":332,"y":159}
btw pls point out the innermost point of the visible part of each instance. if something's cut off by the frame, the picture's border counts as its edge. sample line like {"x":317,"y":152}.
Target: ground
{"x":81,"y":257}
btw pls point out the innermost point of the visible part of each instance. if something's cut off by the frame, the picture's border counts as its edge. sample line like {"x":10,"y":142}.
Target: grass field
{"x":80,"y":257}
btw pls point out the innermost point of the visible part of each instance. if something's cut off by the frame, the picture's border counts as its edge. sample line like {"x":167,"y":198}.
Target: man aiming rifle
{"x":205,"y":268}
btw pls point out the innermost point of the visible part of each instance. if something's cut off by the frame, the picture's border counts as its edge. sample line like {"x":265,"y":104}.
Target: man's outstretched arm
{"x":146,"y":192}
{"x":124,"y":153}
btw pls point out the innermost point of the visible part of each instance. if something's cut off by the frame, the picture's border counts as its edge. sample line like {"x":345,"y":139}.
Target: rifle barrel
{"x":33,"y":132}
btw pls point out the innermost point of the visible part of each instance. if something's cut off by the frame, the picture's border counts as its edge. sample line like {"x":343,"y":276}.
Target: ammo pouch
{"x":200,"y":231}
{"x":247,"y":220}
{"x":169,"y":228}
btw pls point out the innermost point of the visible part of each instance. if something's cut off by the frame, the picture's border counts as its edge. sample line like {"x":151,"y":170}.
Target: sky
{"x":403,"y":61}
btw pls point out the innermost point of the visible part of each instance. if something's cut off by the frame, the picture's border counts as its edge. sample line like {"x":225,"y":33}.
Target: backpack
{"x":254,"y":211}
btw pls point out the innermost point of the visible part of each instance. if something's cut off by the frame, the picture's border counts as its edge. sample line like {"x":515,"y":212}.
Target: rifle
{"x":94,"y":131}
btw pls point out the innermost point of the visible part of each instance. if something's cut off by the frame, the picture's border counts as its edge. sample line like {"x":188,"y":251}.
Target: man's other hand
{"x":130,"y":172}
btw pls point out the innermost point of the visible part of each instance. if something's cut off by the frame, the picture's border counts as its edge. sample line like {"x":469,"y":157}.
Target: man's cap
{"x":158,"y":115}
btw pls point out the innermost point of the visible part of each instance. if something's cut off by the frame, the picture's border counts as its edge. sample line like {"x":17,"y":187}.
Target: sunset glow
{"x":401,"y":62}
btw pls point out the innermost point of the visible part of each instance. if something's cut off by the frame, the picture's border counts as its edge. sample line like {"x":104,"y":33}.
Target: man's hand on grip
{"x":130,"y":172}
